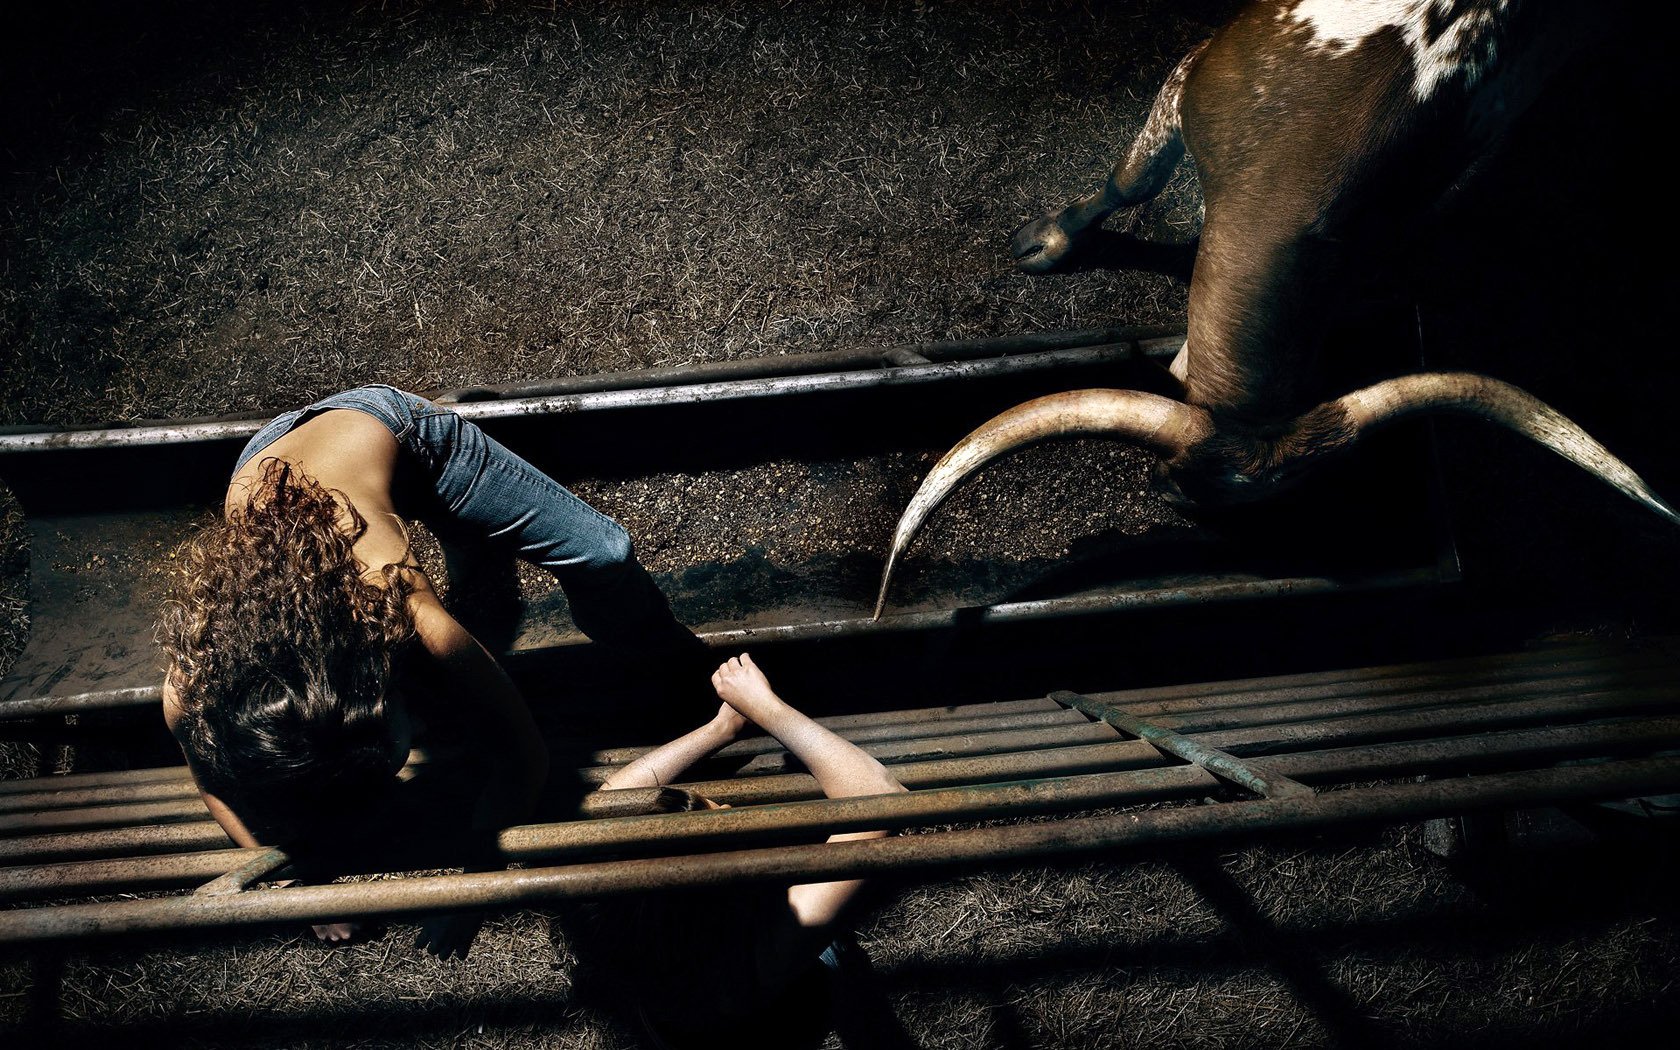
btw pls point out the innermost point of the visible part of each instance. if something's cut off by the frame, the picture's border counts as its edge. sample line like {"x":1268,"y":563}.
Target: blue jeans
{"x":470,"y":490}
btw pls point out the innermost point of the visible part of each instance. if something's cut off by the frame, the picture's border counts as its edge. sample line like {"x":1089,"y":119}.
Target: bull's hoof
{"x":1041,"y":245}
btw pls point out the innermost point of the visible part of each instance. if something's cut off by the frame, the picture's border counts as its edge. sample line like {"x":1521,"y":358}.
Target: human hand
{"x":449,"y":936}
{"x":742,"y":685}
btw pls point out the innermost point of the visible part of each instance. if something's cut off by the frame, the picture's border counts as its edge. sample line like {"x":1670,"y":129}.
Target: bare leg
{"x":1046,"y":242}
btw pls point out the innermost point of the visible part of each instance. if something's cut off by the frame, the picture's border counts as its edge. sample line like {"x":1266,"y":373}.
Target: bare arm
{"x":519,"y":766}
{"x":224,"y":814}
{"x":841,"y":767}
{"x":664,"y":764}
{"x":220,"y":810}
{"x":518,"y":756}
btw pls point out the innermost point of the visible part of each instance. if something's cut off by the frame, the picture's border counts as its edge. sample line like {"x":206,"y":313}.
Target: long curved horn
{"x":1502,"y":403}
{"x":1158,"y":423}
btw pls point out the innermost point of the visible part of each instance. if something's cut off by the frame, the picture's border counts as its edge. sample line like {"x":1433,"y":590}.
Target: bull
{"x":1317,"y":129}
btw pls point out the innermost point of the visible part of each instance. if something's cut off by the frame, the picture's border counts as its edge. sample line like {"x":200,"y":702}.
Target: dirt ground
{"x":208,"y":208}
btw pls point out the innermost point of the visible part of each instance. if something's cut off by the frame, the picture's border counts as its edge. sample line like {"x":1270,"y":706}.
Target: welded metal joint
{"x":1249,"y":775}
{"x":247,"y":874}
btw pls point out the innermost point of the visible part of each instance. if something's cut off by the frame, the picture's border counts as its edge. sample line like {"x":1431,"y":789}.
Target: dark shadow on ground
{"x":1114,"y":250}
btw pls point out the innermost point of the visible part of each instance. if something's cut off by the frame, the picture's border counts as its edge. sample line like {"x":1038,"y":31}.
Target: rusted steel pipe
{"x":1052,"y":609}
{"x":1204,"y":716}
{"x":861,"y":626}
{"x":916,"y":749}
{"x":1039,"y":797}
{"x":1261,"y":740}
{"x":1253,"y":775}
{"x":1471,"y":718}
{"x":1393,"y":677}
{"x":1236,"y":704}
{"x":1241,"y":821}
{"x":618,"y":399}
{"x":48,"y":794}
{"x":845,"y":724}
{"x":668,"y":832}
{"x":110,"y":778}
{"x":823,"y":361}
{"x":1212,"y":719}
{"x":118,"y":875}
{"x":1193,"y":715}
{"x":1542,"y":663}
{"x":1040,"y":714}
{"x":1059,"y":761}
{"x":145,"y":791}
{"x":1157,"y":340}
{"x":167,"y":811}
{"x":1200,"y":715}
{"x":770,"y":759}
{"x":120,"y":842}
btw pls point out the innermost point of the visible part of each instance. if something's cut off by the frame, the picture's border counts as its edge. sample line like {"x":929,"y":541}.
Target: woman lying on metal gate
{"x":738,"y":963}
{"x":295,"y":619}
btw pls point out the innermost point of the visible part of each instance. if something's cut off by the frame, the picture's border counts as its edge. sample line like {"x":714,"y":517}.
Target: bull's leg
{"x":1046,"y":242}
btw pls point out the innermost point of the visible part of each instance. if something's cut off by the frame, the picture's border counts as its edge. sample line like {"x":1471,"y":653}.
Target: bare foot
{"x":337,"y":932}
{"x":729,"y":722}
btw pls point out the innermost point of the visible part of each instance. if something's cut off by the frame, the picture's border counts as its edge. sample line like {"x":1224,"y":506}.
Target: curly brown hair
{"x":280,"y":647}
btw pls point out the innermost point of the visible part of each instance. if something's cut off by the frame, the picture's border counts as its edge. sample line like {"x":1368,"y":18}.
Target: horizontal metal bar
{"x":822,"y":361}
{"x":917,"y":749}
{"x":1057,"y":761}
{"x":1197,"y":714}
{"x":1238,"y":716}
{"x":165,"y":811}
{"x":974,"y":735}
{"x":942,"y":730}
{"x":1284,"y":737}
{"x":968,"y":619}
{"x":1049,"y":609}
{"x":1186,"y":708}
{"x":170,"y":871}
{"x":1263,"y":740}
{"x":781,"y":822}
{"x":128,"y":841}
{"x":1043,"y":714}
{"x":71,"y":798}
{"x":1151,"y":699}
{"x":1016,"y":844}
{"x":1157,"y":703}
{"x":46,"y":793}
{"x":902,"y":740}
{"x":618,"y":399}
{"x":1574,"y":659}
{"x":206,"y":834}
{"x":1253,"y":776}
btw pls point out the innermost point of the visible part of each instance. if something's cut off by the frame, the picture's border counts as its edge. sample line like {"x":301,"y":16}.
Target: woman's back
{"x":351,"y":454}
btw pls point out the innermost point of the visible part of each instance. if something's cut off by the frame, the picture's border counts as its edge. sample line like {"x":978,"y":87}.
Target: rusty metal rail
{"x":794,"y":820}
{"x":804,"y":863}
{"x":613,"y":426}
{"x":956,"y":732}
{"x":750,"y":378}
{"x":1494,"y":726}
